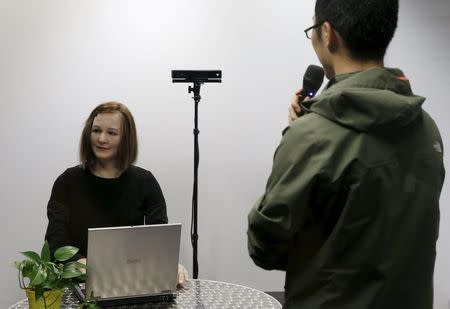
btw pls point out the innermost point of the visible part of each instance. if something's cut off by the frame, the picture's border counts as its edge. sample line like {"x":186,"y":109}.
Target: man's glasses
{"x":309,"y":30}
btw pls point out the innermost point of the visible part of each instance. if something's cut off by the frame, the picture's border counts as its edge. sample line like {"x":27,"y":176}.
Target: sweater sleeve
{"x":285,"y":208}
{"x":155,"y":204}
{"x":57,"y":233}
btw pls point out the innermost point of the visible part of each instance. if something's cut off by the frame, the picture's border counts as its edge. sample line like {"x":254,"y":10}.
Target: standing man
{"x":351,"y":208}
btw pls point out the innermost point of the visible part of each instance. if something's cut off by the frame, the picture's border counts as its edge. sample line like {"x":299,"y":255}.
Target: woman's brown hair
{"x":128,"y":148}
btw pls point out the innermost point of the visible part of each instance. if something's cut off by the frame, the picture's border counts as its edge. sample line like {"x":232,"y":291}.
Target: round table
{"x":197,"y":294}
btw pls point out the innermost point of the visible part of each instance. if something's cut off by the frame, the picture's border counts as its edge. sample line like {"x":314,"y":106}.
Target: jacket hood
{"x":371,"y":100}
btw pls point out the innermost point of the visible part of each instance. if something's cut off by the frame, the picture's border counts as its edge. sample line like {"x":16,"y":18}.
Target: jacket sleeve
{"x":155,"y":204}
{"x":57,"y":233}
{"x":284,"y":210}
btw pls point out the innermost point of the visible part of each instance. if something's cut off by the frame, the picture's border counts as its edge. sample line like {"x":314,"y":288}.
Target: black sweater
{"x":81,"y":200}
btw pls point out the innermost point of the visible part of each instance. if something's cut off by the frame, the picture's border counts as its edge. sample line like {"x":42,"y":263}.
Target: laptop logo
{"x":133,"y":261}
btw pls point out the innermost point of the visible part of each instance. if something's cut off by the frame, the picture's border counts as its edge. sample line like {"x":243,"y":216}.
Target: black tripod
{"x":194,"y":219}
{"x":197,"y":77}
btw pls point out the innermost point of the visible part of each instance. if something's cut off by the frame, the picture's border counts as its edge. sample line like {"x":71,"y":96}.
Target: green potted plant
{"x":44,"y":278}
{"x":89,"y":303}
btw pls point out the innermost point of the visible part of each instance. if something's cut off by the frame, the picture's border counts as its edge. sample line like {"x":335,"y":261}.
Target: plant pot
{"x":52,"y":299}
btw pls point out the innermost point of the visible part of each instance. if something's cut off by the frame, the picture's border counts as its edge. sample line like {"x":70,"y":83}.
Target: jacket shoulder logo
{"x":438,"y":147}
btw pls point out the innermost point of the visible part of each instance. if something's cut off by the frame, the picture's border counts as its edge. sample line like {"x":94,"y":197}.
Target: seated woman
{"x":106,"y":189}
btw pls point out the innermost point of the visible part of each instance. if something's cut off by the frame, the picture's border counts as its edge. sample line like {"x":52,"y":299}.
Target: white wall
{"x":59,"y":59}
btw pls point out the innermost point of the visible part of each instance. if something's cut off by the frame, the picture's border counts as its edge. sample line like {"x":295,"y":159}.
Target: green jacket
{"x":351,"y":208}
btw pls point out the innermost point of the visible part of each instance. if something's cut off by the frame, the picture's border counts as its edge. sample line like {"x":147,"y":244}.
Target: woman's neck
{"x":106,"y":170}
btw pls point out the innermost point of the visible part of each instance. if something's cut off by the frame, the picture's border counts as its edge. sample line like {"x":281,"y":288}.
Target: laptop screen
{"x":133,"y":260}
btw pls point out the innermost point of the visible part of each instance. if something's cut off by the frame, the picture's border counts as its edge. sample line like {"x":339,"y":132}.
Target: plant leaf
{"x":65,"y":253}
{"x":27,"y":269}
{"x":59,"y":284}
{"x":49,"y":286}
{"x":30,"y":271}
{"x":72,"y":270}
{"x":71,"y":274}
{"x":32,"y":256}
{"x":38,"y":292}
{"x":38,"y":278}
{"x":80,"y":265}
{"x":51,"y":268}
{"x":70,"y":285}
{"x":71,"y":266}
{"x":51,"y":278}
{"x":45,"y":252}
{"x":82,"y":278}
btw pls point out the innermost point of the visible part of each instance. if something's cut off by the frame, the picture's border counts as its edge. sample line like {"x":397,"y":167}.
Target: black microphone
{"x":312,"y":80}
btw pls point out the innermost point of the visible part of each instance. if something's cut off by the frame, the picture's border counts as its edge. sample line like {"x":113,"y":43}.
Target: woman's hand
{"x":82,"y":261}
{"x":183,"y":275}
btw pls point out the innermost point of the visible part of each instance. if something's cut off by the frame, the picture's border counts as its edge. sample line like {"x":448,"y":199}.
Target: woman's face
{"x":105,"y":136}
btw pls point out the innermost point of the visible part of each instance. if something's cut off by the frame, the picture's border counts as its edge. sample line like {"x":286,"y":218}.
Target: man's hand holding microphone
{"x":312,"y":80}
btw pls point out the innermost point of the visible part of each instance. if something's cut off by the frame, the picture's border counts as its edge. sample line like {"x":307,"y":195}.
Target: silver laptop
{"x":132,"y":264}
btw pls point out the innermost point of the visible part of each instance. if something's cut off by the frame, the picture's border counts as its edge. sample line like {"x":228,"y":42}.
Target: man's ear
{"x":330,"y":37}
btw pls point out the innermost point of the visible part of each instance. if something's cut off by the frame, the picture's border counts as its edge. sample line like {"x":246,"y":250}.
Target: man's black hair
{"x":366,"y":26}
